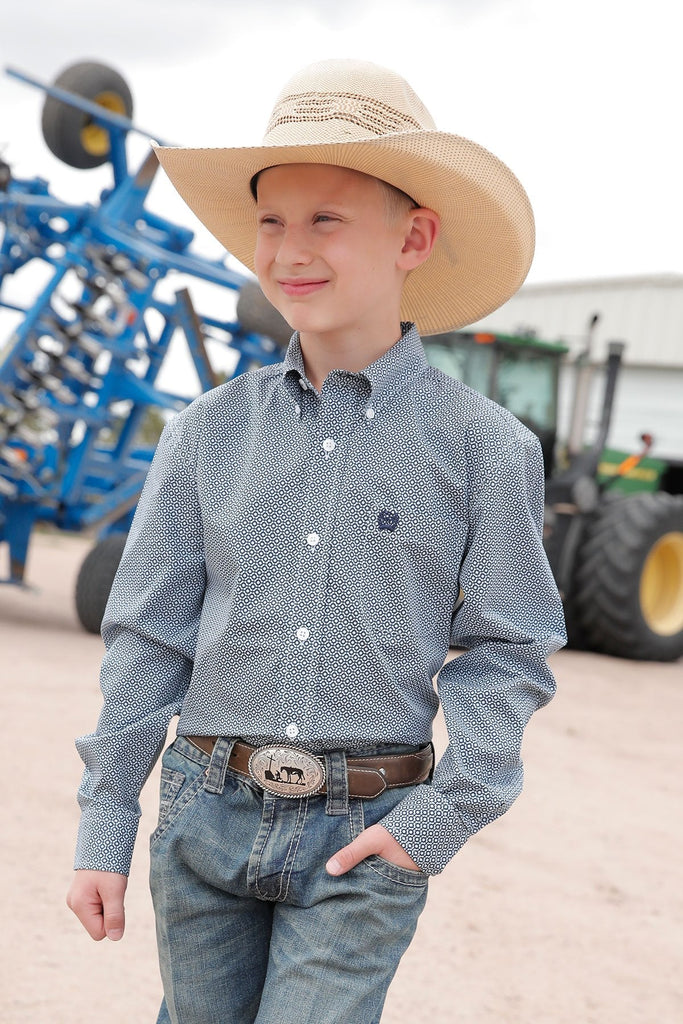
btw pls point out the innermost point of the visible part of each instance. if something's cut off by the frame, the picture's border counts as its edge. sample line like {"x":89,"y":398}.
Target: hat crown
{"x":344,"y":101}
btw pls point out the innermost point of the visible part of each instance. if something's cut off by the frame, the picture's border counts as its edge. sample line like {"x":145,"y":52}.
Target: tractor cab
{"x":520,"y":373}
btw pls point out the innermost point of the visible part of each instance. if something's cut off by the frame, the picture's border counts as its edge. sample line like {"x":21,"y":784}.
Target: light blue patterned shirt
{"x":292,"y":574}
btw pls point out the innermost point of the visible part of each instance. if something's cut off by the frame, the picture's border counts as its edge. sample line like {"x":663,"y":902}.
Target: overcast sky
{"x":581,"y":99}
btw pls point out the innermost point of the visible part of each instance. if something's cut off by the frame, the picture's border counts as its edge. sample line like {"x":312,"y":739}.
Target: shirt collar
{"x":404,"y":359}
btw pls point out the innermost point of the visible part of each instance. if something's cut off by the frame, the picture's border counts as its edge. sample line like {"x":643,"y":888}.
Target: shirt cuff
{"x":428,"y":828}
{"x":106,"y":837}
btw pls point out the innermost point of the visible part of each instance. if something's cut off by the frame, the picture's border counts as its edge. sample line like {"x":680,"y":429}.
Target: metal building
{"x":646,"y":313}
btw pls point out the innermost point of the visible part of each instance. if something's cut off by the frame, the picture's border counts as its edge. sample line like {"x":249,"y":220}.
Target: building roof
{"x":645,"y":312}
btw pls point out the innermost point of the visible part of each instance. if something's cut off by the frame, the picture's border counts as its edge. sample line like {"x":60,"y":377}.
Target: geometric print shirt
{"x":298,"y":566}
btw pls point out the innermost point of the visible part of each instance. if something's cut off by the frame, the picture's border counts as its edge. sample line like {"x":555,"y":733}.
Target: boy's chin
{"x":306,"y":325}
{"x":313,"y":332}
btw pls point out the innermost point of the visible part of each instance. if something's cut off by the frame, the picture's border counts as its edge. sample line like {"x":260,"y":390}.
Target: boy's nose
{"x":294,"y":247}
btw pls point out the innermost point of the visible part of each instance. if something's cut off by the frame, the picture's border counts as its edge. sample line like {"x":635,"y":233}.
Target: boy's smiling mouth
{"x":301,"y":285}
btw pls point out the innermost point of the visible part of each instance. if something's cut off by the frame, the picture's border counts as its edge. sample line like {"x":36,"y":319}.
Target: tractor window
{"x":461,"y":357}
{"x":527,"y":386}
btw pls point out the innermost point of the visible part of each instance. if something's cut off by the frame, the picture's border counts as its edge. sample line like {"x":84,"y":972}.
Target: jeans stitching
{"x":170,"y":784}
{"x":421,"y":878}
{"x":360,"y":816}
{"x":177,"y":807}
{"x":283,"y":896}
{"x":262,"y":850}
{"x":195,"y":754}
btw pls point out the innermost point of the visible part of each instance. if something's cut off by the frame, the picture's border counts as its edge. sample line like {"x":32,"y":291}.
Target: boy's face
{"x":327,"y":251}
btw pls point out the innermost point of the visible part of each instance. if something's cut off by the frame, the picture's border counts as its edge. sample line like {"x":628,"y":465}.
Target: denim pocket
{"x":356,"y":818}
{"x":376,"y":809}
{"x":404,"y":876}
{"x":171,"y":784}
{"x":182,"y":777}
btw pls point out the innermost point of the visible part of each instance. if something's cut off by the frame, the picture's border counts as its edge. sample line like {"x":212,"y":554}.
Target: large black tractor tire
{"x":628,"y":588}
{"x":256,"y":314}
{"x":71,"y":134}
{"x":95,"y":578}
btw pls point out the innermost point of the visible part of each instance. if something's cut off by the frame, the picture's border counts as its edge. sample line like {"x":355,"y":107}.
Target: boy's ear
{"x":420,"y":238}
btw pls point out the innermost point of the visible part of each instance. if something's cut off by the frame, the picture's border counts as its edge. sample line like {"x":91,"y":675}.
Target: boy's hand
{"x":96,"y":898}
{"x":375,"y":839}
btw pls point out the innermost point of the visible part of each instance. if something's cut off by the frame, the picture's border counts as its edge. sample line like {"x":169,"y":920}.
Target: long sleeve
{"x":149,"y":630}
{"x":509,"y":622}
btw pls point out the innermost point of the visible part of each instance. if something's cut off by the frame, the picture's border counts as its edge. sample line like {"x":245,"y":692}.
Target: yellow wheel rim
{"x":95,"y":138}
{"x":661,"y":585}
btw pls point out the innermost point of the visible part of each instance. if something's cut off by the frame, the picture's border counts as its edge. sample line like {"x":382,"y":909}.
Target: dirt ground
{"x":568,"y":910}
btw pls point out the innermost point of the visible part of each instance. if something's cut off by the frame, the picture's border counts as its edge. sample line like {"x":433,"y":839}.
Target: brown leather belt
{"x":367,"y":776}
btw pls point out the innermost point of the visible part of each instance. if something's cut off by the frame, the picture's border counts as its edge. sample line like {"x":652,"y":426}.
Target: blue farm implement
{"x":78,"y":375}
{"x":80,"y":383}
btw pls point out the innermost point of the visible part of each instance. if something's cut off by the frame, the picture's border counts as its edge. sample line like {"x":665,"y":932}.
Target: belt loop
{"x":215,"y":773}
{"x":337,"y":782}
{"x":431,"y":770}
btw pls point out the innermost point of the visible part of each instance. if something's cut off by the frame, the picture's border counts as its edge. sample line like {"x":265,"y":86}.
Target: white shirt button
{"x":329,"y":445}
{"x":303,"y":633}
{"x":369,"y":414}
{"x":312,"y":539}
{"x":292,"y":731}
{"x":297,"y":409}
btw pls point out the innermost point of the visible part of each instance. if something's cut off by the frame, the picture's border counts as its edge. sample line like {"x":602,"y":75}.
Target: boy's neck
{"x":351,"y":350}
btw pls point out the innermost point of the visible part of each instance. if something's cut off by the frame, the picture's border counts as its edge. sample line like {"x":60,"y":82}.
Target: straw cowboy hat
{"x":355,"y":114}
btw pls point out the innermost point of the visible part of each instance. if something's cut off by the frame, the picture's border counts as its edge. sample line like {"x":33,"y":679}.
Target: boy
{"x":290,"y":585}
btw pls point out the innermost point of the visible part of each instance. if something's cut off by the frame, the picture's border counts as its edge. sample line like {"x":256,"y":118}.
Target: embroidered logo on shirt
{"x":387,"y":520}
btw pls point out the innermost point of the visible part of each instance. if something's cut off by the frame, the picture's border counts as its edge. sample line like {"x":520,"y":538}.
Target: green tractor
{"x":614,"y":520}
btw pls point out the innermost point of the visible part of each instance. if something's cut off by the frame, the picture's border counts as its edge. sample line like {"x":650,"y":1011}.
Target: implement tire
{"x":71,"y":134}
{"x":95,"y":578}
{"x":256,"y":315}
{"x":628,"y":587}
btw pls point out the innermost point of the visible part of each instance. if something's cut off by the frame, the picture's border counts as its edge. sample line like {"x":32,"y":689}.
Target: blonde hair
{"x":396,"y":202}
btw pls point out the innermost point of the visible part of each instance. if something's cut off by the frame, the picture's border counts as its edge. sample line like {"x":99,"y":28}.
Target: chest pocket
{"x":420,"y":540}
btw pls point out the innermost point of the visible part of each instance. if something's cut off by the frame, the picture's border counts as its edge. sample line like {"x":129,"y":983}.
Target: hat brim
{"x":485,"y":245}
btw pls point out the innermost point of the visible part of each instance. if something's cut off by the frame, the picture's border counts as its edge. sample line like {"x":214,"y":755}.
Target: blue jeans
{"x":250,"y":927}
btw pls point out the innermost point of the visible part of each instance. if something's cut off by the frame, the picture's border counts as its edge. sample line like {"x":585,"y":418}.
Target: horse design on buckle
{"x":287,"y":771}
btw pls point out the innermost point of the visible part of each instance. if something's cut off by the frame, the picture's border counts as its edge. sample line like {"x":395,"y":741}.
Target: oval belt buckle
{"x":287,"y":771}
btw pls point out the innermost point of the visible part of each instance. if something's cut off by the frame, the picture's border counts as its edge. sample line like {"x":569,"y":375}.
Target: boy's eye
{"x":323,"y":218}
{"x":268,"y":221}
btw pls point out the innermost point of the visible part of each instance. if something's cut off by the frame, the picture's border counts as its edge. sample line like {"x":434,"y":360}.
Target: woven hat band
{"x":356,"y":116}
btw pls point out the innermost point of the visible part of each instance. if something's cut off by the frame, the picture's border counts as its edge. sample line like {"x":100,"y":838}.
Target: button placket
{"x":318,"y":510}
